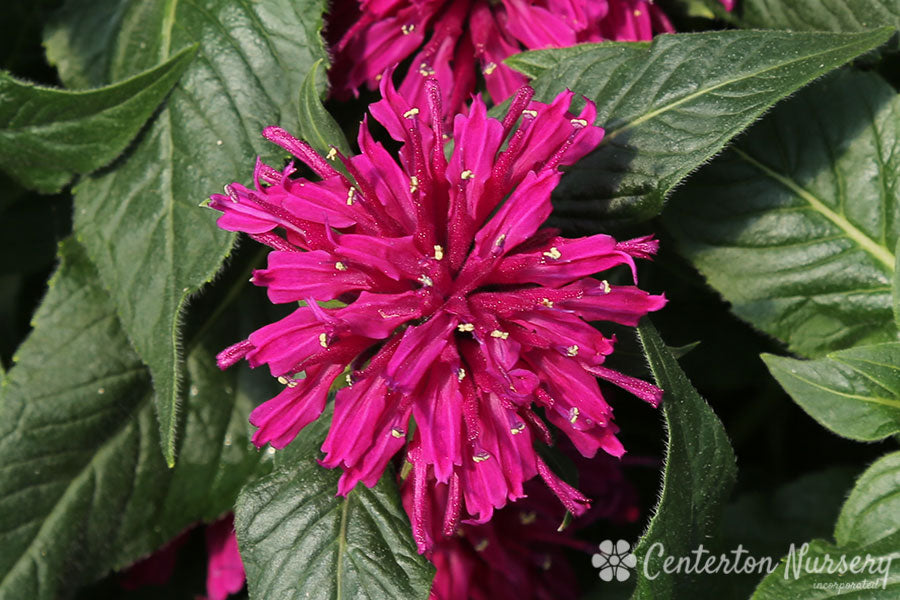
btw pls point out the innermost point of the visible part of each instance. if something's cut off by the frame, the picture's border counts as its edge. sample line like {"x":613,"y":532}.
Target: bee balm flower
{"x":452,"y":40}
{"x":461,"y":313}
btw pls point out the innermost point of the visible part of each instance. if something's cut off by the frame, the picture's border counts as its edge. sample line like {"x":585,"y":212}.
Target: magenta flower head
{"x":461,"y":314}
{"x":454,"y":40}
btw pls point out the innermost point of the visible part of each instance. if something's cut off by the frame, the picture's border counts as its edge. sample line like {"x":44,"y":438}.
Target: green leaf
{"x":140,"y":222}
{"x":47,"y":136}
{"x":819,"y":15}
{"x":794,"y":224}
{"x":765,"y":523}
{"x":872,"y":512}
{"x":869,"y":525}
{"x":298,"y":540}
{"x":83,"y":486}
{"x":317,"y":126}
{"x":855,"y":392}
{"x":896,"y":290}
{"x":699,"y":473}
{"x":669,"y":107}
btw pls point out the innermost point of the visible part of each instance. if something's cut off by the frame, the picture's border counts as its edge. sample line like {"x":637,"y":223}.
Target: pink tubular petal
{"x":294,"y":276}
{"x":377,"y":316}
{"x":536,"y":27}
{"x":390,"y":437}
{"x":519,"y":217}
{"x":640,"y":388}
{"x":285,"y":343}
{"x":356,"y":409}
{"x":232,"y":354}
{"x":563,"y":260}
{"x":439,"y":421}
{"x":300,"y":149}
{"x":477,"y":141}
{"x":574,"y":501}
{"x":395,"y":257}
{"x":418,"y":349}
{"x":300,"y":403}
{"x":603,"y":302}
{"x":492,"y":45}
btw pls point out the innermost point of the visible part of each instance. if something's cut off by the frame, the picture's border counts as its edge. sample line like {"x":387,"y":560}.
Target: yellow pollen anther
{"x":572,"y":350}
{"x":411,"y":113}
{"x":553,"y":253}
{"x":573,"y":415}
{"x":481,"y":456}
{"x":438,"y":252}
{"x":413,"y":184}
{"x":499,"y":334}
{"x":500,"y":239}
{"x":408,"y":29}
{"x":349,"y":378}
{"x":529,"y":113}
{"x":518,"y":429}
{"x":467,"y":174}
{"x":397,"y":432}
{"x":340,"y":266}
{"x":292,"y":383}
{"x":547,"y":302}
{"x":283,"y":380}
{"x":378,"y":77}
{"x":548,"y":562}
{"x":425,"y":70}
{"x":580,"y":122}
{"x":489,"y":68}
{"x":461,"y":374}
{"x":480,"y":546}
{"x":332,"y":154}
{"x":323,"y":340}
{"x":605,"y":285}
{"x":426,"y":281}
{"x":527,"y":518}
{"x":464,"y":327}
{"x":637,"y":13}
{"x":350,"y":194}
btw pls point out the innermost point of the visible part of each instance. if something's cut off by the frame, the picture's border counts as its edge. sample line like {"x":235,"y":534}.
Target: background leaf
{"x":766,"y":522}
{"x":140,"y":222}
{"x":819,"y":15}
{"x":699,"y":473}
{"x":670,"y":107}
{"x":869,"y":523}
{"x":896,"y":290}
{"x":855,"y":392}
{"x":795,"y":225}
{"x":48,"y":135}
{"x":83,"y":486}
{"x":299,"y":540}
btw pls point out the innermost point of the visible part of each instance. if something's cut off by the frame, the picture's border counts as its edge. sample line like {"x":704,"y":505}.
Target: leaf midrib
{"x":611,"y":134}
{"x":342,"y":549}
{"x":878,"y":252}
{"x":892,"y":403}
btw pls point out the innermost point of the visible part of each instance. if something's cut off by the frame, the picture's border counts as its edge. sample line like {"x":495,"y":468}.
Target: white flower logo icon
{"x":615,"y":561}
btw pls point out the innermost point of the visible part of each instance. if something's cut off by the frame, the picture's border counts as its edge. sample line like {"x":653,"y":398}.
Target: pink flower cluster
{"x":452,"y":40}
{"x":460,"y":313}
